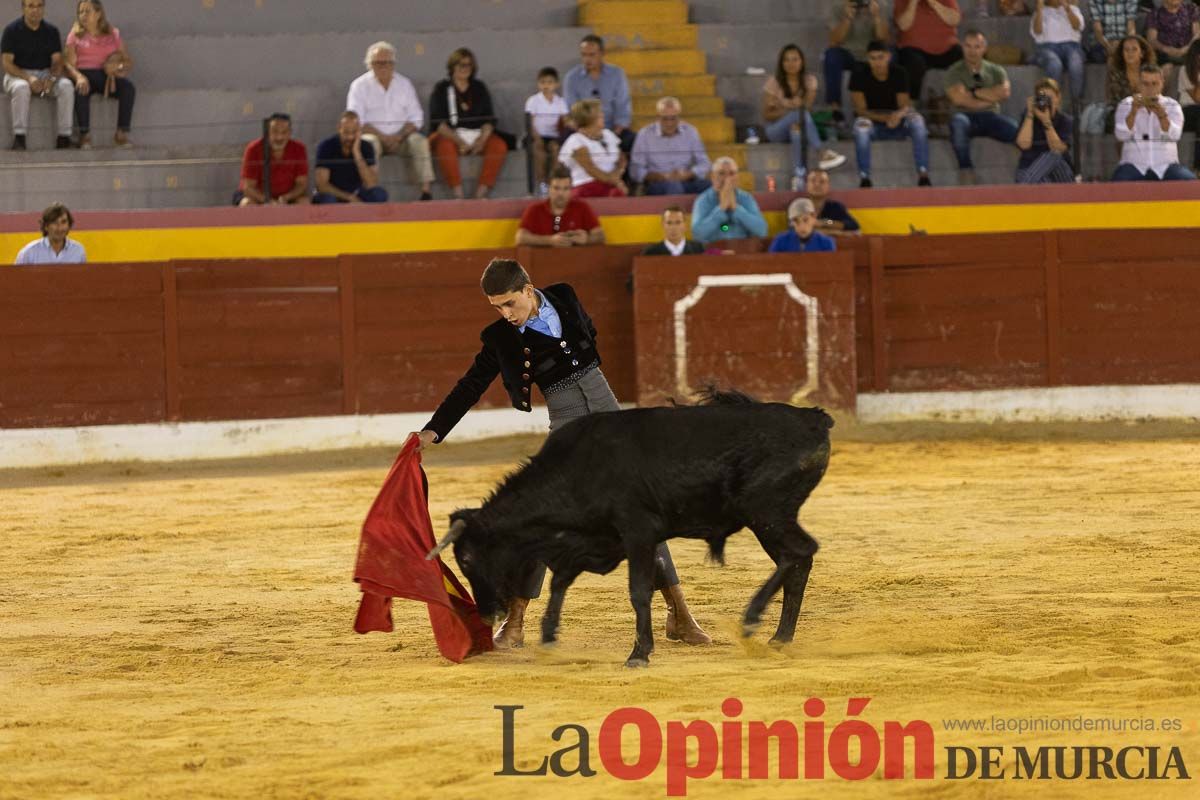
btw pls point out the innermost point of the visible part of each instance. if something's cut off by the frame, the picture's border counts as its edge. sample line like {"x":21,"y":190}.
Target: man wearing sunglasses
{"x":559,"y":221}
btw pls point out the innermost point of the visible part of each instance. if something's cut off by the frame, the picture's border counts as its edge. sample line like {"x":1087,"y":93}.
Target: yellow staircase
{"x":652,"y":41}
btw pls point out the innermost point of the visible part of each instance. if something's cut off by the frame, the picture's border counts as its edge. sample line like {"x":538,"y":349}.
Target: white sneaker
{"x":831,"y":159}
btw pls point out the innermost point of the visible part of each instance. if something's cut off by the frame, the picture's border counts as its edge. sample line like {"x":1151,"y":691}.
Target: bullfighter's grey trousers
{"x":589,"y":395}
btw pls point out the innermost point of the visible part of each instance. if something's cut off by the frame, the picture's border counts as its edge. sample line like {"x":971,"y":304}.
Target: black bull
{"x":611,"y":486}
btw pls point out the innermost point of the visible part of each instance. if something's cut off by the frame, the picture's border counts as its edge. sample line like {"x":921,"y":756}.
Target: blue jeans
{"x":1053,"y":57}
{"x":913,"y":126}
{"x":781,"y":131}
{"x":838,"y":60}
{"x":376,"y":194}
{"x":1175,"y":172}
{"x":690,"y":186}
{"x":967,"y":124}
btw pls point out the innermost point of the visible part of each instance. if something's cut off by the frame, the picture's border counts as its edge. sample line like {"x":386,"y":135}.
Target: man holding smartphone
{"x":1149,"y":125}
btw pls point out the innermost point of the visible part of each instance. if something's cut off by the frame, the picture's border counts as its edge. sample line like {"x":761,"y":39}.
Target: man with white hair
{"x":391,"y":114}
{"x":802,"y":237}
{"x":668,"y":156}
{"x":723,"y":211}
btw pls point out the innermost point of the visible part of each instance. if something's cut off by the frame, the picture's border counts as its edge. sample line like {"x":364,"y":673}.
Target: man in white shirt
{"x":54,"y":247}
{"x":1150,"y":124}
{"x":391,"y":114}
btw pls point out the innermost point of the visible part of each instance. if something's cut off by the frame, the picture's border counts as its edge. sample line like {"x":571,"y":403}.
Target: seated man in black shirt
{"x":345,"y":170}
{"x":832,"y":216}
{"x":885,"y":112}
{"x":31,"y":51}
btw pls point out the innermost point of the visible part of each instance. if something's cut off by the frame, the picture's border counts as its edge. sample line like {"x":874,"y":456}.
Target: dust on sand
{"x":185,"y":631}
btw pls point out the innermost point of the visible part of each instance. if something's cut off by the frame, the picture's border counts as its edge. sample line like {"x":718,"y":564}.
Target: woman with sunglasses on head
{"x":98,"y":61}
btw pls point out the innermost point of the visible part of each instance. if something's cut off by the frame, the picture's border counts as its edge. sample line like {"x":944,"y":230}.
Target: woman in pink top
{"x":97,"y":60}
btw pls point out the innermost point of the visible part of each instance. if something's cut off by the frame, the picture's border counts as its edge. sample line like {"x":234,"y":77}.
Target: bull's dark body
{"x":611,"y":486}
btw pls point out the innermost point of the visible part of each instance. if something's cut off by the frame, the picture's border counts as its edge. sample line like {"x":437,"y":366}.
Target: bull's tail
{"x":716,"y":549}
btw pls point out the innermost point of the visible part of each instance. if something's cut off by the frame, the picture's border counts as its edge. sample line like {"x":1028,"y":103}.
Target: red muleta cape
{"x":396,"y":536}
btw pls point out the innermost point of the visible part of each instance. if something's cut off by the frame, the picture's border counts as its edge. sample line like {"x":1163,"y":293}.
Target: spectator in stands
{"x":802,"y":236}
{"x":54,"y":247}
{"x":1171,"y":28}
{"x":674,"y":241}
{"x":884,"y":109}
{"x":546,"y":112}
{"x":723,"y":211}
{"x":833,"y":218}
{"x":289,"y":168}
{"x":1189,"y":98}
{"x":1057,"y":27}
{"x":560,"y":220}
{"x":98,"y":61}
{"x":390,"y":113}
{"x":788,"y":98}
{"x":31,"y":50}
{"x":977,"y":87}
{"x":1044,"y":137}
{"x":1112,"y":21}
{"x":1125,"y":69}
{"x":593,"y":153}
{"x":852,"y":26}
{"x":461,"y":115}
{"x":1014,"y":8}
{"x":927,"y":38}
{"x":346,"y":171}
{"x":668,"y":156}
{"x":592,"y":78}
{"x":1149,"y":125}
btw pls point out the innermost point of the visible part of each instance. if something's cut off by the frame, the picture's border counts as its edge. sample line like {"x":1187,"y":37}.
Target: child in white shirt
{"x":546,"y":111}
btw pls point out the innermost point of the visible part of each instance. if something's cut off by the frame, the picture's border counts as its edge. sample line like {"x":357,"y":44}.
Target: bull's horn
{"x":456,"y":530}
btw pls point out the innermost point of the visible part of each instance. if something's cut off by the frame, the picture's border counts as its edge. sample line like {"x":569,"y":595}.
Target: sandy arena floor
{"x":185,"y":631}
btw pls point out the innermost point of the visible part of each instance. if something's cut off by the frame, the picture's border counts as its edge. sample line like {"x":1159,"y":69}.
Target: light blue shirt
{"x":546,"y":319}
{"x":653,"y":152}
{"x":39,"y":251}
{"x":612,"y":90}
{"x":710,"y":222}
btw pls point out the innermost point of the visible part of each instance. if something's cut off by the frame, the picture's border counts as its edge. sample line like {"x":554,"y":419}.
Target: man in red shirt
{"x":289,"y":168}
{"x":927,"y":39}
{"x":559,"y":221}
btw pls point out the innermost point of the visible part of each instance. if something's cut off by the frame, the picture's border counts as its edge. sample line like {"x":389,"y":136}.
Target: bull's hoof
{"x":637,"y":662}
{"x":749,"y":629}
{"x":550,"y":643}
{"x":778,"y":643}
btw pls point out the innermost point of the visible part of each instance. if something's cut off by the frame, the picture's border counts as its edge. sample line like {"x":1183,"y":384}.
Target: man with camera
{"x":976,"y":87}
{"x":1043,"y":137}
{"x":1149,"y":125}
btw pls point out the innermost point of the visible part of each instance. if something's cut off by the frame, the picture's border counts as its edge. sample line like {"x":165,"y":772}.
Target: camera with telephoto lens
{"x":1042,"y":101}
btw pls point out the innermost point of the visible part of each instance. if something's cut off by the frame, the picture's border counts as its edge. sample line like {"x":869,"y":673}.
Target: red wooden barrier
{"x":745,"y":322}
{"x":199,"y":340}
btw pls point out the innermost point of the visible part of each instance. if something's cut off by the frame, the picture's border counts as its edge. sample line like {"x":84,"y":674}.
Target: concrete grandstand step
{"x":693,"y":105}
{"x":713,"y":129}
{"x":281,"y":60}
{"x":658,"y":62}
{"x":618,"y":12}
{"x":149,"y":18}
{"x":678,"y":85}
{"x":644,"y":37}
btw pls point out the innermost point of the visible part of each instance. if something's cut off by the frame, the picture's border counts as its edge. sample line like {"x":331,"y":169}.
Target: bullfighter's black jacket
{"x":522,"y":359}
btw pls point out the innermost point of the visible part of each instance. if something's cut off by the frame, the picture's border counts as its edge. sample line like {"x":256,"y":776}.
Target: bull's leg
{"x":753,"y":615}
{"x":641,"y":589}
{"x":791,"y":548}
{"x":558,"y":592}
{"x":793,"y":596}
